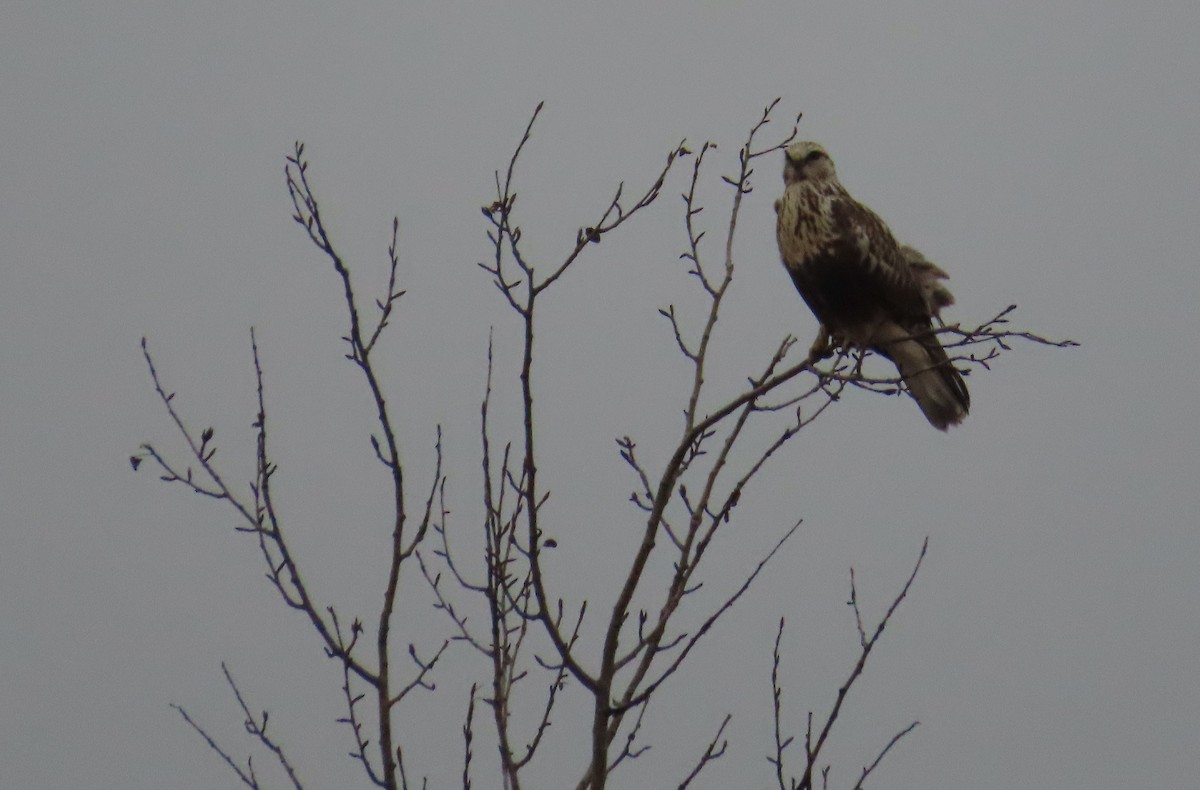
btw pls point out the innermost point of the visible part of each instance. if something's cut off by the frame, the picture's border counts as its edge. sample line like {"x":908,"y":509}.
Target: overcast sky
{"x":1044,"y":153}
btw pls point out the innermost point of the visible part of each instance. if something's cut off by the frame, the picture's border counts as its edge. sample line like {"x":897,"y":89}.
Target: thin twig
{"x":711,"y":752}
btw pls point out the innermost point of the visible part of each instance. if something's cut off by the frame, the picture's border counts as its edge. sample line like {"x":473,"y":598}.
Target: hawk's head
{"x":807,"y":161}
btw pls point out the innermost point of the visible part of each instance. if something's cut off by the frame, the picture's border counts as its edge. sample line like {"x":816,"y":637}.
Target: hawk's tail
{"x":935,"y":384}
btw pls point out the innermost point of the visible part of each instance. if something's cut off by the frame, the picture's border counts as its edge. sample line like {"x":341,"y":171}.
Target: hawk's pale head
{"x":807,"y":161}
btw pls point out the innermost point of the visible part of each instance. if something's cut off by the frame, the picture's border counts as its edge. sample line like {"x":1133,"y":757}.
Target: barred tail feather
{"x":935,"y":384}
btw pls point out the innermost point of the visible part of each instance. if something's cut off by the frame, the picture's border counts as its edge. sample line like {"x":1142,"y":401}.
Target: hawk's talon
{"x":822,"y":347}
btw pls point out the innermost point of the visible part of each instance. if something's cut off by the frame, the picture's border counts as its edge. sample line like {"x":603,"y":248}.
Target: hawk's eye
{"x":813,"y":156}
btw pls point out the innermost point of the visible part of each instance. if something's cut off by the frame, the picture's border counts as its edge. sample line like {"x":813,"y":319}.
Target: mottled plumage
{"x":864,"y":288}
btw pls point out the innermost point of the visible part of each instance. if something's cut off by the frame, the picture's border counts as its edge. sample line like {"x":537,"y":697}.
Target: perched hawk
{"x":864,"y":288}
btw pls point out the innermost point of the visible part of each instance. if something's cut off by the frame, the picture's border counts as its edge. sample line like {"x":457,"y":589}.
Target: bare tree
{"x":531,"y":641}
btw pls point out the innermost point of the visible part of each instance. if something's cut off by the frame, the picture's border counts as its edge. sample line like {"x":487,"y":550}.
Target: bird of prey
{"x":864,"y":288}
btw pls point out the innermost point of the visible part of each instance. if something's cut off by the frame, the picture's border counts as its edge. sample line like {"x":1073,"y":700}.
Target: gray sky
{"x":1044,"y":153}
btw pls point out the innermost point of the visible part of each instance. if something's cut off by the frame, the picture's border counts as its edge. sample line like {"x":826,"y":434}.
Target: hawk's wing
{"x":864,"y":240}
{"x":844,"y":260}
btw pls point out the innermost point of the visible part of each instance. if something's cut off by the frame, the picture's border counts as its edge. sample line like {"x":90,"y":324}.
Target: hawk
{"x":864,"y":288}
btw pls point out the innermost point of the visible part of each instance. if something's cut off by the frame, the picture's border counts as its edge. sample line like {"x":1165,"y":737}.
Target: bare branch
{"x":628,"y":750}
{"x":781,"y":743}
{"x":247,"y":777}
{"x":468,"y":737}
{"x":815,"y":749}
{"x":633,"y":700}
{"x":875,"y":763}
{"x":711,"y":752}
{"x":389,"y":301}
{"x":613,"y":217}
{"x":256,"y":727}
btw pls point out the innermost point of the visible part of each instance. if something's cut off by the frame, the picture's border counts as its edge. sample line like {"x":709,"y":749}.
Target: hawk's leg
{"x":822,"y":347}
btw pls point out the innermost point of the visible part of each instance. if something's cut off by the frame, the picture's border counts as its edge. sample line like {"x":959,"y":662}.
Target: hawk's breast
{"x":829,"y":266}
